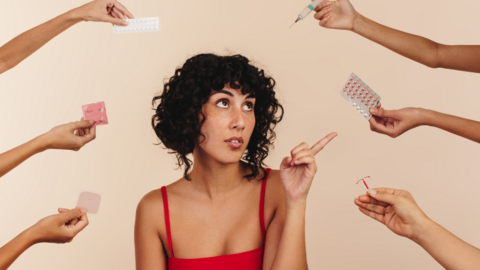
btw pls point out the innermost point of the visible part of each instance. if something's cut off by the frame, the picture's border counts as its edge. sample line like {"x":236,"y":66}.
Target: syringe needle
{"x":298,"y":19}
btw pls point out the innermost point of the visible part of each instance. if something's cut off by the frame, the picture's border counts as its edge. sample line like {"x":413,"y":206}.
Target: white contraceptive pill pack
{"x":360,"y":95}
{"x":138,"y":25}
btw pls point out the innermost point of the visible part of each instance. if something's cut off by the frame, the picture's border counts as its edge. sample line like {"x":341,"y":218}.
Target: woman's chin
{"x":231,"y":158}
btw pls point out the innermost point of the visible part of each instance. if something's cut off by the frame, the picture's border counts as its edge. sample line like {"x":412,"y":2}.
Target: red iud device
{"x":363,"y":179}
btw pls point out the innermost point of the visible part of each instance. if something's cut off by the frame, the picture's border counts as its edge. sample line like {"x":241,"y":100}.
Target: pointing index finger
{"x":322,"y":143}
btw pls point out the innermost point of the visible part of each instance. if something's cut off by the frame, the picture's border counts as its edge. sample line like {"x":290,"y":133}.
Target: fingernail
{"x":373,"y":110}
{"x":372,"y":191}
{"x":83,"y":210}
{"x":329,"y":3}
{"x":125,"y":23}
{"x":91,"y":122}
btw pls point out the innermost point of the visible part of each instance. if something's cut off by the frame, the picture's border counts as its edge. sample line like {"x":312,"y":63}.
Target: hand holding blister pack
{"x":138,"y":25}
{"x":96,"y":112}
{"x":356,"y":92}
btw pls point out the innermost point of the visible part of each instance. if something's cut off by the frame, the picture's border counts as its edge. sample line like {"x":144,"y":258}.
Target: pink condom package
{"x":96,"y":112}
{"x":89,"y":201}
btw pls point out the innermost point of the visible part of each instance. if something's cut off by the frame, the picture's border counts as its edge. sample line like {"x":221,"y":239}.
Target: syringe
{"x":307,"y":11}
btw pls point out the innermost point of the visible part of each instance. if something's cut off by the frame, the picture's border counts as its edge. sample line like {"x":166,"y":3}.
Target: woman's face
{"x":228,"y":125}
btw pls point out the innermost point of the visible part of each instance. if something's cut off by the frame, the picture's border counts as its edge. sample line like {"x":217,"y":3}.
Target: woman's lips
{"x":235,"y":142}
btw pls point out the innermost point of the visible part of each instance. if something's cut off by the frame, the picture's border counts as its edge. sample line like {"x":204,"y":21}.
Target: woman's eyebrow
{"x":222,"y":91}
{"x":230,"y":93}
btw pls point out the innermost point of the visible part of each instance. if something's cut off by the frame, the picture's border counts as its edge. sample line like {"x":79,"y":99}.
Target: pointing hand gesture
{"x":297,"y":170}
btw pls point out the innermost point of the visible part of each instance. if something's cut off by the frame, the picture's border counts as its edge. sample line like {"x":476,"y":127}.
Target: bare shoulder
{"x":151,"y":201}
{"x":274,"y":188}
{"x":274,"y":199}
{"x":150,"y":211}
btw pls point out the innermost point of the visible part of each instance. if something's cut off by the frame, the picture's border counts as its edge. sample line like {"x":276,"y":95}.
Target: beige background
{"x":90,"y":63}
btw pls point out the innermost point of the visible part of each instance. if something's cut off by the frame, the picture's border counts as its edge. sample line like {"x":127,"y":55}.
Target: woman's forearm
{"x":447,"y":249}
{"x":22,"y":46}
{"x":415,"y":47}
{"x":12,"y":158}
{"x":13,"y":249}
{"x":466,"y":128}
{"x":291,"y":252}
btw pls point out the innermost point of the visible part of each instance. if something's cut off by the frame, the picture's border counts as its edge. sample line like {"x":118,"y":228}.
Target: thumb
{"x":383,"y":113}
{"x":383,"y":196}
{"x":286,"y":163}
{"x":82,"y":124}
{"x":71,"y":214}
{"x":112,"y":20}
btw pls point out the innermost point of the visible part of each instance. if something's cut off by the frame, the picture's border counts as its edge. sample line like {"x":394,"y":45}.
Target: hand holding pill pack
{"x":96,"y":112}
{"x":360,"y":95}
{"x":138,"y":25}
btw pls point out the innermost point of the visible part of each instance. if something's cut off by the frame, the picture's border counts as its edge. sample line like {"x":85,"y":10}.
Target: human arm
{"x":71,"y":136}
{"x":342,"y":15}
{"x":285,"y":246}
{"x":149,"y":252}
{"x":22,"y":46}
{"x":59,"y":228}
{"x":397,"y":210}
{"x":395,"y":122}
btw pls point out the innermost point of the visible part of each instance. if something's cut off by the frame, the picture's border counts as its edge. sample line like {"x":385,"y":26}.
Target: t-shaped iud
{"x":364,"y":181}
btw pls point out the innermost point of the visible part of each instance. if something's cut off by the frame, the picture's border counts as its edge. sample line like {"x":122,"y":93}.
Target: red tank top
{"x":252,"y":260}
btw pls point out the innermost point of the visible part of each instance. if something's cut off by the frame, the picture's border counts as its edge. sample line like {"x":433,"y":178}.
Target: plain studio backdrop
{"x":89,"y":63}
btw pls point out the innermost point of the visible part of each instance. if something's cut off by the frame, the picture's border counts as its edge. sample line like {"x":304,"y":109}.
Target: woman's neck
{"x":216,"y":179}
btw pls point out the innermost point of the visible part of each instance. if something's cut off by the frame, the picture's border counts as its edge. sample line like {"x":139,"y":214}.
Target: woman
{"x":223,"y":213}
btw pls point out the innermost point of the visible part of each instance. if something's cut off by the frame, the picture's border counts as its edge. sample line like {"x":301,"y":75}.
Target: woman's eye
{"x":222,"y":104}
{"x":248,"y":107}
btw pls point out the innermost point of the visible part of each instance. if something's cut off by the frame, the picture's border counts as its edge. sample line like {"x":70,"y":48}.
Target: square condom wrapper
{"x":90,"y":201}
{"x":96,"y":112}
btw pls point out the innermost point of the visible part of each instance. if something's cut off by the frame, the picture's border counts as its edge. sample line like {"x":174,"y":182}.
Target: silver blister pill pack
{"x":138,"y":25}
{"x":358,"y":94}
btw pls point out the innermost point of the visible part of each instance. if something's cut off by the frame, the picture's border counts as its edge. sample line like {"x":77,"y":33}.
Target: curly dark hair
{"x":176,"y":120}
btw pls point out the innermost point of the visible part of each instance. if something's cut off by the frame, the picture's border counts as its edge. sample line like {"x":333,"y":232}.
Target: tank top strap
{"x":167,"y":219}
{"x":262,"y":203}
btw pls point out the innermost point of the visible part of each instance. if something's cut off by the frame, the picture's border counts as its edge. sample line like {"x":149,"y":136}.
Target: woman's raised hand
{"x":394,"y":208}
{"x":110,"y":11}
{"x":297,"y":170}
{"x":338,"y":14}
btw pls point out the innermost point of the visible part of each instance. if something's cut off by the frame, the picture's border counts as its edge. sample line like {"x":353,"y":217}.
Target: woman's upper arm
{"x":275,"y":229}
{"x":149,"y":252}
